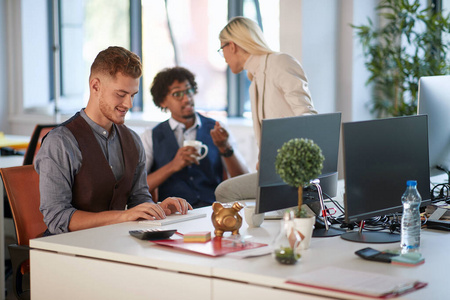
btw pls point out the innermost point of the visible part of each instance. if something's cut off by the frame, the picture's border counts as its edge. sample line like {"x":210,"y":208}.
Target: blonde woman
{"x":278,"y":89}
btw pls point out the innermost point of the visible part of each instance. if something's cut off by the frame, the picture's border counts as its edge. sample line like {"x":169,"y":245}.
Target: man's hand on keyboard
{"x":174,"y":204}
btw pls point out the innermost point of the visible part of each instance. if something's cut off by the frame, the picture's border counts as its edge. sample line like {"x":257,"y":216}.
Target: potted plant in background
{"x":408,"y":44}
{"x":298,"y":162}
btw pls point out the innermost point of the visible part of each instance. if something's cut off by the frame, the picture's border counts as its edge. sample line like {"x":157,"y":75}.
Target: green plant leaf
{"x":407,"y":46}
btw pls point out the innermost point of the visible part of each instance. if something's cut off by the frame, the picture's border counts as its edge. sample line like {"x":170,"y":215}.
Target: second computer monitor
{"x":379,"y":157}
{"x":323,"y":129}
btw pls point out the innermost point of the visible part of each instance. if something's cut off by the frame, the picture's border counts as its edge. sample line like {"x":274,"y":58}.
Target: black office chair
{"x":35,"y":142}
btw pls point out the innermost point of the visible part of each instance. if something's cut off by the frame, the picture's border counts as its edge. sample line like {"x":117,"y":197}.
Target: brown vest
{"x":95,"y":188}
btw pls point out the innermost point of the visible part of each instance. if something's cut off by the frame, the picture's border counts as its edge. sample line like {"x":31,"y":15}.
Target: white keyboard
{"x":174,"y":218}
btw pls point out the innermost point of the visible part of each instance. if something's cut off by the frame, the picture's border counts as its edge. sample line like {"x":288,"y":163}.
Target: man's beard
{"x":106,"y":111}
{"x":191,"y":116}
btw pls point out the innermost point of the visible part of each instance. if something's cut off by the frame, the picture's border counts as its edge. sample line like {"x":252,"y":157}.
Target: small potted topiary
{"x":298,"y":162}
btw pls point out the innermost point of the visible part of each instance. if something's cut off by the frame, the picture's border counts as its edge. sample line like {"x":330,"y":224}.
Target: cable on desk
{"x":440,"y":192}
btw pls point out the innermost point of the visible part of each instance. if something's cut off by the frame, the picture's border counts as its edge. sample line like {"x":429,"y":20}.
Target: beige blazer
{"x":279,"y":89}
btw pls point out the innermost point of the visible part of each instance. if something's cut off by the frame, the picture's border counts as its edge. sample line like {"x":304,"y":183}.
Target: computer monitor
{"x":379,"y":157}
{"x":434,"y":101}
{"x":323,"y":129}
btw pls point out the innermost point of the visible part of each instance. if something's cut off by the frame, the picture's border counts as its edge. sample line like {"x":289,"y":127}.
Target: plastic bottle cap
{"x":411,"y":183}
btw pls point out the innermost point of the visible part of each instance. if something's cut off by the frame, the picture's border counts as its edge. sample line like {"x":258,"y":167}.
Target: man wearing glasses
{"x":174,"y":169}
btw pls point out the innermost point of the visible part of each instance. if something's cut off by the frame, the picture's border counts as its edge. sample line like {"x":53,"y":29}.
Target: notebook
{"x":358,"y":283}
{"x":217,"y":246}
{"x":174,"y":218}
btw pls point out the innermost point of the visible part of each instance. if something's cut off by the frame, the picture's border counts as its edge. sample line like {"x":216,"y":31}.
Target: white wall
{"x":361,"y":94}
{"x":319,"y":19}
{"x":3,"y":71}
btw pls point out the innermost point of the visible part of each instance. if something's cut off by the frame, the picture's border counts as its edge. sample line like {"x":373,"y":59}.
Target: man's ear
{"x":163,"y":104}
{"x":95,"y":84}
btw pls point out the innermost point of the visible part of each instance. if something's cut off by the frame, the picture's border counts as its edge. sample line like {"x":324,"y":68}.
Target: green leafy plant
{"x":298,"y":162}
{"x":407,"y":46}
{"x":286,"y":256}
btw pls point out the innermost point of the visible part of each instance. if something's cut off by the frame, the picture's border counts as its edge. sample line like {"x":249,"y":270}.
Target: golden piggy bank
{"x":226,"y":218}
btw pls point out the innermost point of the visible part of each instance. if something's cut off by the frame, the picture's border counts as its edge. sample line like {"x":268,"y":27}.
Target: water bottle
{"x":410,"y":229}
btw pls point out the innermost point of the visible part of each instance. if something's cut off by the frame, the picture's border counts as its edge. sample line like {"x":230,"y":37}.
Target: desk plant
{"x":298,"y":162}
{"x":409,"y":44}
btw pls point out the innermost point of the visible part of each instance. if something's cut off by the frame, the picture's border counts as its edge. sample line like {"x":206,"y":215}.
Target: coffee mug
{"x":198,"y":146}
{"x":252,"y":219}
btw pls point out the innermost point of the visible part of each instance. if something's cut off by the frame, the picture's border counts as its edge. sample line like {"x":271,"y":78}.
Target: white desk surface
{"x":114,"y":243}
{"x":14,"y":141}
{"x":11,"y":161}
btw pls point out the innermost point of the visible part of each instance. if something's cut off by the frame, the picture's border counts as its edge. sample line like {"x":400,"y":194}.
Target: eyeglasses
{"x":180,"y":94}
{"x":221,"y":49}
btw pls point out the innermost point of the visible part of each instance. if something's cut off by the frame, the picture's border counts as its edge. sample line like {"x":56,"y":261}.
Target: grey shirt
{"x":59,"y":160}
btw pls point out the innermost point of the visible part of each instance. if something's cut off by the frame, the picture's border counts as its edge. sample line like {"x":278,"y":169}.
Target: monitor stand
{"x":327,"y":231}
{"x":372,"y":237}
{"x":321,"y":230}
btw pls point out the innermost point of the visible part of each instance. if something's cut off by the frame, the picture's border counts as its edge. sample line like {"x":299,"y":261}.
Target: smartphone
{"x":375,"y":255}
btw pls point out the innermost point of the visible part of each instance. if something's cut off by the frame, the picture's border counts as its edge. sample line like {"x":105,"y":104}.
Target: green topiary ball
{"x":298,"y":161}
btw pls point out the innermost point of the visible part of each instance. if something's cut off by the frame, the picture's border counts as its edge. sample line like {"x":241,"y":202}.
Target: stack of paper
{"x":357,"y":283}
{"x":197,"y":237}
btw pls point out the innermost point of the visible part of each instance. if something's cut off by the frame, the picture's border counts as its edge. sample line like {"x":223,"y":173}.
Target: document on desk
{"x":174,"y":218}
{"x":357,"y":283}
{"x":217,"y":246}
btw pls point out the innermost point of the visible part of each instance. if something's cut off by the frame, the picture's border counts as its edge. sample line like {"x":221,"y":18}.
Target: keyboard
{"x":174,"y":218}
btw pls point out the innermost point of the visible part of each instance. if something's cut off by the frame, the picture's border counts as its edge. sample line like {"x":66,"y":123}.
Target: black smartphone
{"x":375,"y":255}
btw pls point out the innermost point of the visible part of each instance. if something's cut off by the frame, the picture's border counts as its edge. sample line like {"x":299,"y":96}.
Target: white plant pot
{"x":305,"y":226}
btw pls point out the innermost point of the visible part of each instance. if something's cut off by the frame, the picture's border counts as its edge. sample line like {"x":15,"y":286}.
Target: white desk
{"x":17,"y":142}
{"x":5,"y":162}
{"x":107,"y":263}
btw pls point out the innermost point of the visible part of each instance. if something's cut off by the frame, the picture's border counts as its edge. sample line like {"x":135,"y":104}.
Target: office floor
{"x":10,"y":238}
{"x":9,"y":294}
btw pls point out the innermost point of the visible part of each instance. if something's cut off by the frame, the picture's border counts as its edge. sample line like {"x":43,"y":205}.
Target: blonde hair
{"x":246,"y":34}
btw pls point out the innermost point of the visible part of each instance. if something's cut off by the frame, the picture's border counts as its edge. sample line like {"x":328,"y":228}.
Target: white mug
{"x":252,"y":219}
{"x":198,"y":145}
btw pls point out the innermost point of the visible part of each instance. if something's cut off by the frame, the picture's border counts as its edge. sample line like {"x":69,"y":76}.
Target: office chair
{"x":22,"y":189}
{"x":35,"y":142}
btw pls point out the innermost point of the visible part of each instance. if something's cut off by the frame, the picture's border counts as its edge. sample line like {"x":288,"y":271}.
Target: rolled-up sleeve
{"x":57,"y":162}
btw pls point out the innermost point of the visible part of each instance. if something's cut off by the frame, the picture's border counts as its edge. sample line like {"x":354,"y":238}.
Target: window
{"x":87,"y":27}
{"x":171,"y":32}
{"x":185,"y":35}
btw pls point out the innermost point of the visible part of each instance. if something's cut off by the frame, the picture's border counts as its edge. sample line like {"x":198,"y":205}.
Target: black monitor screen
{"x":323,"y":129}
{"x":379,"y":157}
